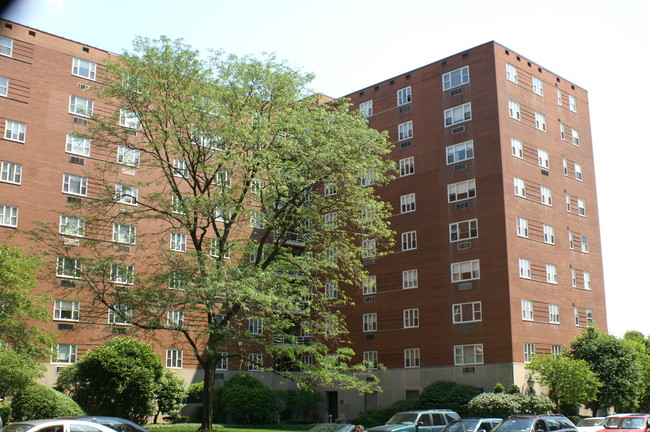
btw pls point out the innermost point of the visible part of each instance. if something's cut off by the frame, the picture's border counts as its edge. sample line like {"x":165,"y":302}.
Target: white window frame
{"x":255,"y":362}
{"x":529,"y":352}
{"x":549,"y":234}
{"x":79,"y":66}
{"x":571,"y":241}
{"x":366,"y":108}
{"x":466,"y":312}
{"x":584,"y":243}
{"x":409,"y":240}
{"x":81,"y":106}
{"x":551,"y":274}
{"x":461,"y":191}
{"x":174,"y":359}
{"x":122,"y":274}
{"x":411,"y":318}
{"x":546,"y":195}
{"x":568,"y":203}
{"x":554,"y":313}
{"x":175,"y":319}
{"x":559,"y":97}
{"x":371,"y":359}
{"x":407,"y":166}
{"x":463,"y":230}
{"x":455,"y":78}
{"x":8,"y":216}
{"x":562,"y":132}
{"x":179,"y":168}
{"x":222,"y":363}
{"x":77,"y":145}
{"x":460,"y":152}
{"x":15,"y":130}
{"x":538,"y":86}
{"x":404,"y":96}
{"x":64,"y":354}
{"x":520,"y":187}
{"x":565,"y":166}
{"x":330,"y":221}
{"x":471,"y":354}
{"x":511,"y":73}
{"x":178,"y":242}
{"x":524,"y":268}
{"x":330,"y":189}
{"x":540,"y":121}
{"x":369,"y":322}
{"x":589,"y":316}
{"x":412,"y":358}
{"x":126,"y":194}
{"x":405,"y":131}
{"x":517,"y":148}
{"x":578,"y":171}
{"x":11,"y":172}
{"x":124,"y":233}
{"x":369,"y":249}
{"x":75,"y":185}
{"x":572,"y":104}
{"x":128,"y":156}
{"x":542,"y":158}
{"x":369,"y":285}
{"x":522,"y":227}
{"x":255,"y":326}
{"x":331,"y":290}
{"x":527,"y":310}
{"x":581,"y":207}
{"x":69,"y":268}
{"x":6,"y":46}
{"x":407,"y":203}
{"x":410,"y":279}
{"x":576,"y":316}
{"x":66,"y":310}
{"x":575,"y":137}
{"x":465,"y":271}
{"x":574,"y":278}
{"x":73,"y":226}
{"x":514,"y":110}
{"x":129,"y":119}
{"x":119,"y":314}
{"x":4,"y":86}
{"x":586,"y":276}
{"x":458,"y":114}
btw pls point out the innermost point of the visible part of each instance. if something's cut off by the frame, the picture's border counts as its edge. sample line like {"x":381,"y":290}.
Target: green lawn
{"x":192,"y":427}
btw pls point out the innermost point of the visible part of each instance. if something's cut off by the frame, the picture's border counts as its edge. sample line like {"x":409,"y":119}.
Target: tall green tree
{"x":570,"y":382}
{"x":262,"y":192}
{"x":615,"y":362}
{"x":642,"y":345}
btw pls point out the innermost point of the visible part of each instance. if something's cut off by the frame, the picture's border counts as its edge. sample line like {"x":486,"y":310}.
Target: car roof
{"x":40,"y":422}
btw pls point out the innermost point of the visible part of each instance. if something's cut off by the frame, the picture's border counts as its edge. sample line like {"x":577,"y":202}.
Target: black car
{"x":116,"y":423}
{"x":536,"y":423}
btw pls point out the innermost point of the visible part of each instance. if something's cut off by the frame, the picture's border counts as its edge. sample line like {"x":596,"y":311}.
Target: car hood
{"x":390,"y":428}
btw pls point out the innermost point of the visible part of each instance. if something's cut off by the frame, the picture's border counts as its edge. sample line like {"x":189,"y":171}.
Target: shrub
{"x":39,"y":401}
{"x":246,"y":399}
{"x":537,"y":404}
{"x":494,"y":405}
{"x":300,"y":405}
{"x":499,"y":388}
{"x":513,"y":389}
{"x":5,"y":412}
{"x":447,"y":394}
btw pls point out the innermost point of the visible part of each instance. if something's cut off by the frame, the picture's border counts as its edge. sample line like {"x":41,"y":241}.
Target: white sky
{"x":351,"y":44}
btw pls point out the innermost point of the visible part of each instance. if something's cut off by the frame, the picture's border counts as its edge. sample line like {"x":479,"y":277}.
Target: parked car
{"x":332,"y":427}
{"x":472,"y":425}
{"x":55,"y":425}
{"x":628,"y":422}
{"x":590,"y":424}
{"x":116,"y":423}
{"x":420,"y":421}
{"x":536,"y":423}
{"x":611,"y":421}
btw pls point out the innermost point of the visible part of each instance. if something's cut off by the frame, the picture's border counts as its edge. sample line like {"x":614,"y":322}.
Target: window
{"x":128,"y":156}
{"x":412,"y":357}
{"x":123,"y":233}
{"x":330,"y":189}
{"x":332,"y":290}
{"x":8,"y":215}
{"x":368,"y":249}
{"x":179,"y":168}
{"x":540,"y":121}
{"x":551,"y":273}
{"x":466,"y":270}
{"x":177,"y":280}
{"x":542,"y":158}
{"x":64,"y":354}
{"x":371,"y":359}
{"x":538,"y":86}
{"x":6,"y":46}
{"x":411,"y":318}
{"x":175,"y":319}
{"x":581,"y":207}
{"x":403,"y":96}
{"x":255,"y":326}
{"x":72,"y":226}
{"x":178,"y":204}
{"x":177,"y":242}
{"x":529,"y":352}
{"x":556,"y":350}
{"x":468,"y":354}
{"x":410,"y":279}
{"x":369,"y":285}
{"x":574,"y":278}
{"x":565,"y":167}
{"x":11,"y":172}
{"x":568,"y":203}
{"x":366,"y":108}
{"x":517,"y":148}
{"x":4,"y":86}
{"x":458,"y":114}
{"x":215,"y":248}
{"x":174,"y":358}
{"x":126,"y":194}
{"x":257,"y":219}
{"x":81,"y":106}
{"x":66,"y":310}
{"x":68,"y":267}
{"x":549,"y":234}
{"x":455,"y":78}
{"x":578,"y":170}
{"x":75,"y":185}
{"x":405,"y":131}
{"x":222,"y":363}
{"x":572,"y":104}
{"x":545,"y":192}
{"x":84,"y":68}
{"x":511,"y":73}
{"x":584,"y":243}
{"x":409,"y":240}
{"x":527,"y":313}
{"x":522,"y":227}
{"x":575,"y":137}
{"x":466,"y":312}
{"x":406,"y":166}
{"x":589,"y":313}
{"x":463,"y":230}
{"x":77,"y":145}
{"x":122,"y":273}
{"x":514,"y":110}
{"x":129,"y":119}
{"x":554,"y":314}
{"x":255,"y":362}
{"x":15,"y":131}
{"x":460,"y":152}
{"x":369,"y":322}
{"x":331,"y":221}
{"x":461,"y":191}
{"x":587,"y":280}
{"x":331,"y":254}
{"x":407,"y":203}
{"x":576,"y":315}
{"x":368,"y":179}
{"x":571,"y":244}
{"x":520,"y":187}
{"x":119,"y":314}
{"x":524,"y":268}
{"x":559,"y":97}
{"x":562,"y":133}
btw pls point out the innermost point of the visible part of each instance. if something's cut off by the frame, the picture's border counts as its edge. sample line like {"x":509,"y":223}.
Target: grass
{"x":192,"y":427}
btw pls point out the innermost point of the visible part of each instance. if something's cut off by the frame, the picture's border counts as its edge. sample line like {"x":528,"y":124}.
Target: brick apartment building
{"x":497,"y":255}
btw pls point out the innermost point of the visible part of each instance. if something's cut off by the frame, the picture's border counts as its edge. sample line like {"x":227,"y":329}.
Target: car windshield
{"x":462,"y":426}
{"x":515,"y":425}
{"x":591,"y":422}
{"x":16,"y":427}
{"x":403,"y":418}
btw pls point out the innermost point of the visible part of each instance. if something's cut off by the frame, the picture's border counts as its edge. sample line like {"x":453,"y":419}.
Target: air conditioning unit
{"x":458,"y":129}
{"x":78,"y":120}
{"x":456,"y":91}
{"x":369,"y":299}
{"x":76,"y":160}
{"x":73,"y":200}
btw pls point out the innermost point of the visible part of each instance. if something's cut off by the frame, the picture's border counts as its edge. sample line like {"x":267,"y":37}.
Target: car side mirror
{"x":420,"y":423}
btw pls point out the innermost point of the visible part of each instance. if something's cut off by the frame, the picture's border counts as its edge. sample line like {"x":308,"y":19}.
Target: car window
{"x":425,"y":420}
{"x":632,"y":423}
{"x":540,"y":425}
{"x":55,"y":428}
{"x":403,"y":418}
{"x":515,"y":425}
{"x":83,"y":428}
{"x":486,"y":426}
{"x":438,"y":420}
{"x":16,"y":427}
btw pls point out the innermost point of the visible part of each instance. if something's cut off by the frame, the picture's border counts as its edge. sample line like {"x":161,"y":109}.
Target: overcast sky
{"x":350,"y":44}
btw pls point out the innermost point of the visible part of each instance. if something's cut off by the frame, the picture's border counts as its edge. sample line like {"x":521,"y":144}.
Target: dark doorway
{"x":332,"y":406}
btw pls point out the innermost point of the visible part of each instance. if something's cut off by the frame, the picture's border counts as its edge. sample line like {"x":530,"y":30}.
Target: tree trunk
{"x":208,"y":394}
